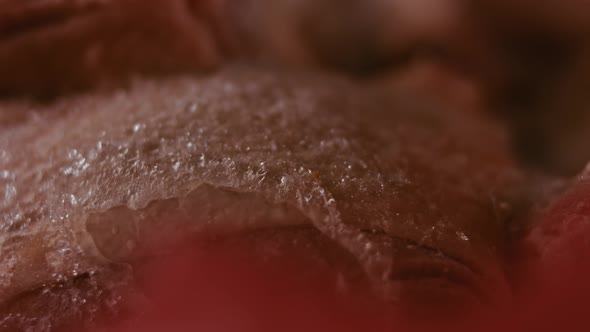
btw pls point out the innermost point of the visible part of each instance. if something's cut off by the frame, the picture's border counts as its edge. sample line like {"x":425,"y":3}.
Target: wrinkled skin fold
{"x":95,"y":180}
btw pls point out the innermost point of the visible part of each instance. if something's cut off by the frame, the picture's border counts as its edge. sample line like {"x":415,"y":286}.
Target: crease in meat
{"x":18,"y":17}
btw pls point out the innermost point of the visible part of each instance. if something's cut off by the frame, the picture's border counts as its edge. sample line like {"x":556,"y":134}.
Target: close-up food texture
{"x":290,"y":165}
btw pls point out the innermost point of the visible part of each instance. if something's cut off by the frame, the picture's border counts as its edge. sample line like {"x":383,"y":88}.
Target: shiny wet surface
{"x":378,"y":175}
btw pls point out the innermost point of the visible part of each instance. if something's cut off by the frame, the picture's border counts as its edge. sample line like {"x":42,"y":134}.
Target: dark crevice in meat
{"x":24,"y":17}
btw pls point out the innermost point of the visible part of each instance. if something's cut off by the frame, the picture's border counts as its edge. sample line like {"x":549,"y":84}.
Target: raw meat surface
{"x":420,"y":195}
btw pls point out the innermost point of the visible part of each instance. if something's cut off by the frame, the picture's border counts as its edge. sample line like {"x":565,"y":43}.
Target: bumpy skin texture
{"x":97,"y":179}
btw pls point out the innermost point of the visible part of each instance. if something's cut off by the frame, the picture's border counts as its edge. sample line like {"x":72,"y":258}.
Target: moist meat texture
{"x":402,"y":185}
